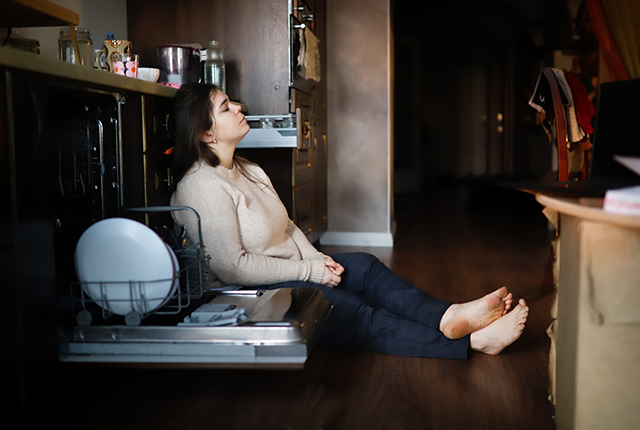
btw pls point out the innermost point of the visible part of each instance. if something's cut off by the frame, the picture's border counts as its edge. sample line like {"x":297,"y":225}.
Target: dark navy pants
{"x":376,"y":310}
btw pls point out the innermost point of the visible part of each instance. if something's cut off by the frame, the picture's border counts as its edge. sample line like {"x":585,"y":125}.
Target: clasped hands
{"x":332,"y":272}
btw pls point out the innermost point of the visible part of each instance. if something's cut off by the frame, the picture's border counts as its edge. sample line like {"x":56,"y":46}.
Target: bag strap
{"x":561,"y":125}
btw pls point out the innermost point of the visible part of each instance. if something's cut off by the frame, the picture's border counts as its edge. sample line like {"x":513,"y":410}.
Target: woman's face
{"x":230,"y":125}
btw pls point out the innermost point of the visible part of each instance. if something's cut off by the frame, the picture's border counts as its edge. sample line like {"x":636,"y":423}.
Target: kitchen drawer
{"x":161,"y":124}
{"x":319,"y":102}
{"x":302,"y":171}
{"x":161,"y":166}
{"x":302,"y":207}
{"x":302,"y":175}
{"x":302,"y":157}
{"x":157,"y":112}
{"x":303,"y":107}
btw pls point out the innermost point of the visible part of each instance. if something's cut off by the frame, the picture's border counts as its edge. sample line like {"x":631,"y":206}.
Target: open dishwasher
{"x":197,"y":324}
{"x":91,"y":179}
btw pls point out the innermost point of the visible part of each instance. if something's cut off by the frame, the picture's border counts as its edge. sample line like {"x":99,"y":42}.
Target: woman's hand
{"x":336,"y":268}
{"x":330,"y":278}
{"x":332,"y":272}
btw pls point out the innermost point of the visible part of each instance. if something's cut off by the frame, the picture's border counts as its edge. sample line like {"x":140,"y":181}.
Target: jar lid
{"x":65,"y":31}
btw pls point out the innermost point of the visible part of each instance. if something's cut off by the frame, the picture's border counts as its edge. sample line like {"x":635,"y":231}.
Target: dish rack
{"x":193,"y":279}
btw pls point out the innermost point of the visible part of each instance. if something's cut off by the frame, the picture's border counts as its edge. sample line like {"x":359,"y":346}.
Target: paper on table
{"x":624,"y":201}
{"x":631,"y":163}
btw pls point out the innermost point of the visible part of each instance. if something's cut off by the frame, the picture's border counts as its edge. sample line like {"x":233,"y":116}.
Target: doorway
{"x":462,"y":80}
{"x":450,"y":119}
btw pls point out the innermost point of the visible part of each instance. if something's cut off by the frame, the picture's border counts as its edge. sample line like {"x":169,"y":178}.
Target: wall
{"x":359,"y":46}
{"x":359,"y":86}
{"x":99,"y":17}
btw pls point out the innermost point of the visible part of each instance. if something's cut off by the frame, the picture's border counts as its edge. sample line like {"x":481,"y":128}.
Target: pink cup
{"x":127,"y":65}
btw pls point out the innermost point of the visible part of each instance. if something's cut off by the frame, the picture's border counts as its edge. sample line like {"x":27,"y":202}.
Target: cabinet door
{"x":147,"y":158}
{"x":158,"y":156}
{"x":158,"y":150}
{"x":320,"y":88}
{"x":302,"y":170}
{"x":27,"y":273}
{"x":319,"y":162}
{"x":277,"y":164}
{"x":302,"y":211}
{"x":132,"y":143}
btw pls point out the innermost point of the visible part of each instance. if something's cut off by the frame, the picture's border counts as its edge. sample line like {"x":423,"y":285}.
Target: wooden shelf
{"x":35,"y":13}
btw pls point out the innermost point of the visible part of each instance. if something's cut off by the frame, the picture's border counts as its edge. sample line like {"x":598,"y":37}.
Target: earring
{"x":214,"y":140}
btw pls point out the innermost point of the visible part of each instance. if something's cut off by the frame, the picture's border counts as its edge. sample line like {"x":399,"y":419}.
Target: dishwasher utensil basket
{"x":190,"y":283}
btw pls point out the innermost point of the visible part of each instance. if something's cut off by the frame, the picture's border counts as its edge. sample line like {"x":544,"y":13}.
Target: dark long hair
{"x":193,"y":115}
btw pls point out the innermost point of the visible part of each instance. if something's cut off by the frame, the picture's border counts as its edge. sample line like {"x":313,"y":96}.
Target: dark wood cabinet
{"x":319,"y":163}
{"x":158,"y":158}
{"x":255,"y":36}
{"x":28,"y":349}
{"x":71,"y":154}
{"x":147,"y":154}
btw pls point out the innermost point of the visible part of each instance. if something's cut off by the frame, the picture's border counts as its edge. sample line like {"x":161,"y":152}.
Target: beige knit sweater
{"x":245,"y":228}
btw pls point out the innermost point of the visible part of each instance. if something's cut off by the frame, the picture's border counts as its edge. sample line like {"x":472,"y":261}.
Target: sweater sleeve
{"x":230,"y":262}
{"x":307,"y":250}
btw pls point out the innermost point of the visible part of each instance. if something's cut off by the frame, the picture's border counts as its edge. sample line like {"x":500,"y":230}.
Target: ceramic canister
{"x":113,"y":51}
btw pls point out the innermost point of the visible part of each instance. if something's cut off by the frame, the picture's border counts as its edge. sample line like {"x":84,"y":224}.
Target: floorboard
{"x":455,"y":243}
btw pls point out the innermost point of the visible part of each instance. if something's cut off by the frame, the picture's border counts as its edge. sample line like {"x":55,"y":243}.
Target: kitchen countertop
{"x":16,"y":59}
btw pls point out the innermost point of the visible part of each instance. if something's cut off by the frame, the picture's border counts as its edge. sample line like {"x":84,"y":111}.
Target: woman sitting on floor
{"x":247,"y":232}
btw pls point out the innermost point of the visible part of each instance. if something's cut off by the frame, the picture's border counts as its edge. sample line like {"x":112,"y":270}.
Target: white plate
{"x":125,"y":266}
{"x":176,"y":282}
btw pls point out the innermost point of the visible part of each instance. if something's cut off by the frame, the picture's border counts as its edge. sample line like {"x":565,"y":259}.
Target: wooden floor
{"x":455,"y":244}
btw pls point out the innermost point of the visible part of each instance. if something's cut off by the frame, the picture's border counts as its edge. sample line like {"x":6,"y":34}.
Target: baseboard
{"x":339,"y":238}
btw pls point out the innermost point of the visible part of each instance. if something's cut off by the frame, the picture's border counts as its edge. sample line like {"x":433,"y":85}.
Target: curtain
{"x":624,"y":21}
{"x":616,"y":24}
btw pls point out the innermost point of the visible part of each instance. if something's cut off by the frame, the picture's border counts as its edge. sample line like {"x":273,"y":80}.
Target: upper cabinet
{"x":35,"y":13}
{"x":260,"y":40}
{"x":273,"y":50}
{"x":38,"y":13}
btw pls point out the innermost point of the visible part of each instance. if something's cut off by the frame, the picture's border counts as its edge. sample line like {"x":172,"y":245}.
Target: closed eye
{"x":224,"y":106}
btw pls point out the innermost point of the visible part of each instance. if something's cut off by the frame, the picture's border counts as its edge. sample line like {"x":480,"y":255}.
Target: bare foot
{"x":464,"y":318}
{"x":502,"y":333}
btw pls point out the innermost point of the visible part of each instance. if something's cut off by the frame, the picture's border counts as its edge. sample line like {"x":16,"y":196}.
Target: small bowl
{"x":148,"y":74}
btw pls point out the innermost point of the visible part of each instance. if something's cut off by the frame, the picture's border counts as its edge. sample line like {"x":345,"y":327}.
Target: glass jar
{"x":214,"y":70}
{"x":18,"y":41}
{"x":65,"y":46}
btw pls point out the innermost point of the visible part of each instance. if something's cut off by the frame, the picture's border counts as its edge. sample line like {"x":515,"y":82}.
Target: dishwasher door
{"x":279,"y":328}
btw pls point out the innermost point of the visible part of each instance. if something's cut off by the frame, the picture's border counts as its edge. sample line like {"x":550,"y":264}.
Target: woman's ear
{"x":207,"y":137}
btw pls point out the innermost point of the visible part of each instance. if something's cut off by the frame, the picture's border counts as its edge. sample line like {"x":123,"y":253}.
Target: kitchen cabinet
{"x":157,"y":148}
{"x":35,"y":13}
{"x":38,"y":13}
{"x":319,"y":163}
{"x":259,"y":53}
{"x":147,"y":154}
{"x":26,"y":249}
{"x":71,"y":153}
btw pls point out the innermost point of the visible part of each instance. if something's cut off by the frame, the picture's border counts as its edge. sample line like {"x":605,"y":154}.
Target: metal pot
{"x":178,"y":64}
